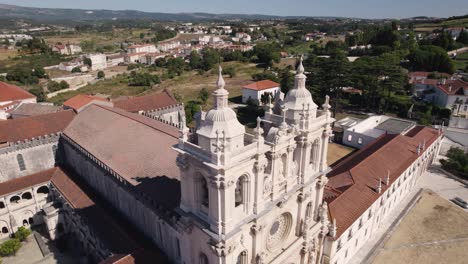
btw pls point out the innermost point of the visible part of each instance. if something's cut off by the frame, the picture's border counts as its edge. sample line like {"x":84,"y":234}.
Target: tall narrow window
{"x":204,"y":192}
{"x":203,"y":259}
{"x":242,"y":258}
{"x":21,"y":164}
{"x":309,"y":210}
{"x":240,"y":191}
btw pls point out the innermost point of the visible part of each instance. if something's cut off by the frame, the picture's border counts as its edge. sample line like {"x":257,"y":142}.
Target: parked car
{"x":460,"y":202}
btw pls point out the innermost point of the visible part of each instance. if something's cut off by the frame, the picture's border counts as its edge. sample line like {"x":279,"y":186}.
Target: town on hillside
{"x":139,"y":137}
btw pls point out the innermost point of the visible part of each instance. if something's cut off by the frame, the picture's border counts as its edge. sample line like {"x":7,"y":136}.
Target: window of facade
{"x":26,"y":196}
{"x":240,"y":191}
{"x":2,"y":205}
{"x":4,"y":230}
{"x":43,"y":190}
{"x":360,"y":223}
{"x":338,"y":245}
{"x":242,"y":258}
{"x":54,"y":150}
{"x":178,"y":247}
{"x":204,"y":193}
{"x":369,"y":215}
{"x":350,"y":234}
{"x":350,"y":137}
{"x":21,"y":164}
{"x":15,"y":199}
{"x":203,"y":259}
{"x":359,"y":141}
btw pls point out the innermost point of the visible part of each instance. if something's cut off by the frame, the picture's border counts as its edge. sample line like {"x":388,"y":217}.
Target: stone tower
{"x":256,"y":198}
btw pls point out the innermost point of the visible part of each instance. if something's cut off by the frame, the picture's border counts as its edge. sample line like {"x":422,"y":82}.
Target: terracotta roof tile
{"x":79,"y":101}
{"x":453,"y":87}
{"x":26,"y":128}
{"x":262,"y":85}
{"x":147,"y":102}
{"x":126,"y":142}
{"x":25,"y":182}
{"x":351,"y":187}
{"x":10,"y":92}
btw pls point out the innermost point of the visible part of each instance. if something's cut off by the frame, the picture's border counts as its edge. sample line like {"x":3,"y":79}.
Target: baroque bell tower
{"x":256,"y":198}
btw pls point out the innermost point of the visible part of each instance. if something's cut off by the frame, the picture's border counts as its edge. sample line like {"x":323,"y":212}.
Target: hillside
{"x":57,"y":14}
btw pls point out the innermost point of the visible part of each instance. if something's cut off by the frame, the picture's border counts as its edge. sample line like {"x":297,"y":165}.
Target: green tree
{"x":88,"y":61}
{"x":175,"y":66}
{"x":230,"y":71}
{"x":203,"y":95}
{"x":39,"y":93}
{"x":101,"y":75}
{"x":463,"y":37}
{"x":431,"y":58}
{"x":211,"y":57}
{"x":267,"y":53}
{"x":76,"y":69}
{"x":457,"y":162}
{"x":142,"y":35}
{"x":195,"y":60}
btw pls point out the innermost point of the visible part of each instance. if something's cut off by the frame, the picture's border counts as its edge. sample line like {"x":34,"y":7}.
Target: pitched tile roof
{"x":453,"y":87}
{"x":79,"y":101}
{"x":351,"y":187}
{"x":147,"y":102}
{"x":26,"y":128}
{"x":262,"y":85}
{"x":25,"y":110}
{"x":110,"y":228}
{"x":10,"y":92}
{"x":136,"y":147}
{"x":25,"y":182}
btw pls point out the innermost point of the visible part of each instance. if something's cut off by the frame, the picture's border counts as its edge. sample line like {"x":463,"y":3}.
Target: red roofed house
{"x":255,"y":90}
{"x":452,"y":94}
{"x":363,"y":189}
{"x":79,"y":102}
{"x":160,"y":106}
{"x":11,"y":96}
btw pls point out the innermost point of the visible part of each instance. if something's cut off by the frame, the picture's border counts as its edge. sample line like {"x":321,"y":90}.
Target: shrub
{"x":10,"y":247}
{"x":101,"y":74}
{"x":22,"y":233}
{"x":76,"y":69}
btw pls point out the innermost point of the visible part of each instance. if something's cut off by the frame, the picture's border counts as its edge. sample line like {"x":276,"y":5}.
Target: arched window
{"x":4,"y":230}
{"x":26,"y":196}
{"x":31,"y":221}
{"x":314,"y":153}
{"x":25,"y":222}
{"x":240,"y":192}
{"x":242,"y":258}
{"x":204,"y":197}
{"x":21,"y":164}
{"x":2,"y":205}
{"x":203,"y":259}
{"x":43,"y":190}
{"x":15,"y":199}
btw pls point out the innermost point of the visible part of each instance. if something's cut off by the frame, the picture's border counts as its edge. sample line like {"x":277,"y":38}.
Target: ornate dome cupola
{"x":299,"y":99}
{"x":220,"y":131}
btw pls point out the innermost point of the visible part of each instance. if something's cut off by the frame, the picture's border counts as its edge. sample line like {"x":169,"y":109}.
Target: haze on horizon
{"x":338,"y":8}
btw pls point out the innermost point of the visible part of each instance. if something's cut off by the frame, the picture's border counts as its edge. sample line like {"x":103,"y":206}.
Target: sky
{"x":342,"y":8}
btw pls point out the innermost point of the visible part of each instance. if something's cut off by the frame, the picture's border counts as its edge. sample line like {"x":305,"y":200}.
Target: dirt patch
{"x":434,"y":231}
{"x":337,"y":152}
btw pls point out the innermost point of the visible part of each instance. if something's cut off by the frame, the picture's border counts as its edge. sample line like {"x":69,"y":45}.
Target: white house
{"x":366,"y":131}
{"x":142,"y":48}
{"x":67,"y":49}
{"x":98,"y":61}
{"x":255,"y":90}
{"x":11,"y":96}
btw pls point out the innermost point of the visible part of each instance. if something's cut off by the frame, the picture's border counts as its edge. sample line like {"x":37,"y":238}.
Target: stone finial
{"x":326,"y":106}
{"x":258,"y":129}
{"x":387,"y":179}
{"x":333,"y":228}
{"x":220,"y":83}
{"x":300,"y":67}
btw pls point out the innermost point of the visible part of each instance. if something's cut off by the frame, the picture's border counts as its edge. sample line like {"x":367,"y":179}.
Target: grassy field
{"x":7,"y":54}
{"x":463,"y":22}
{"x":461,"y":62}
{"x":434,"y":231}
{"x":187,"y":85}
{"x":337,"y":152}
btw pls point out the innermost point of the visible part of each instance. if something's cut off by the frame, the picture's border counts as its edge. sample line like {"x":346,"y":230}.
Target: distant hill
{"x":58,"y":14}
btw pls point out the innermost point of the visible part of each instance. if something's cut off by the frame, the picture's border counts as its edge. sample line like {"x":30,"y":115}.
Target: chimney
{"x":450,"y":88}
{"x":444,"y":81}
